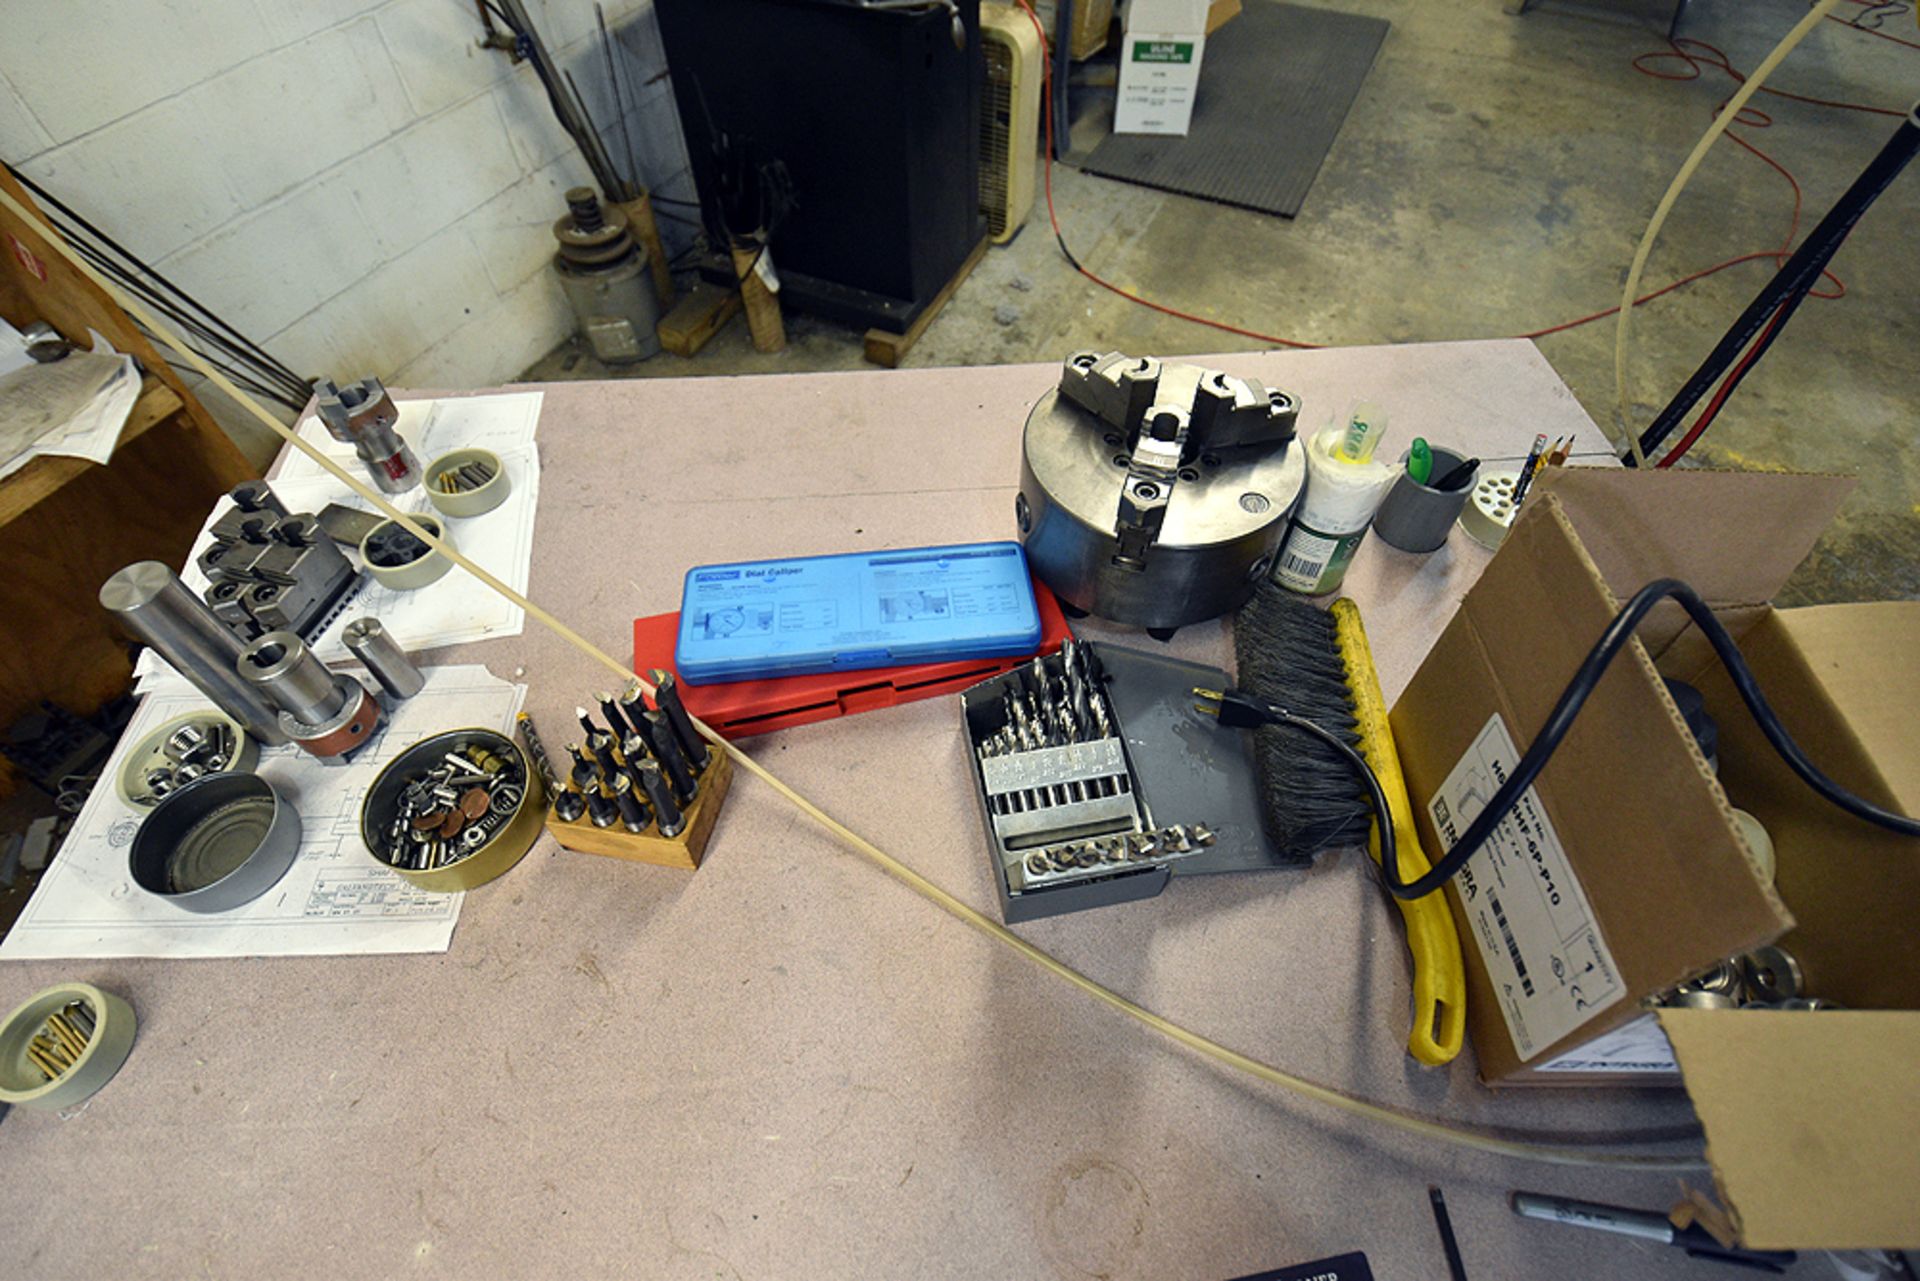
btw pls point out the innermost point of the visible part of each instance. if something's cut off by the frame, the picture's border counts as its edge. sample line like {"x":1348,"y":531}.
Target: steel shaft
{"x":153,"y":604}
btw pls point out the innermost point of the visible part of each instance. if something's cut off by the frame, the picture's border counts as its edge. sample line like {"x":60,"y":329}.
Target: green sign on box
{"x":1163,"y":51}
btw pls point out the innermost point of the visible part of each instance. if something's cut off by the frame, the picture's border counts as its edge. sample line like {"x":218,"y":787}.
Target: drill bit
{"x":666,"y":810}
{"x":666,"y":697}
{"x":538,"y":751}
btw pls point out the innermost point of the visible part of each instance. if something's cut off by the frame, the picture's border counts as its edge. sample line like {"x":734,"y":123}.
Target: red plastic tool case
{"x":739,"y":709}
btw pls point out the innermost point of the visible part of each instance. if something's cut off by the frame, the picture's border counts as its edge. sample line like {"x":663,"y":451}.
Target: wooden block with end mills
{"x":697,"y":317}
{"x":683,"y":850}
{"x":884,"y":347}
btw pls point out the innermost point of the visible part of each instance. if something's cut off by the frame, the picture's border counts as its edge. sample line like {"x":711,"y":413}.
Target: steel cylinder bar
{"x":389,"y":664}
{"x":156,"y":607}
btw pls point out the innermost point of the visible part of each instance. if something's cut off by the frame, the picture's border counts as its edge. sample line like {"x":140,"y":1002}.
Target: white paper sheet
{"x":74,"y":407}
{"x":334,"y":899}
{"x":455,"y":609}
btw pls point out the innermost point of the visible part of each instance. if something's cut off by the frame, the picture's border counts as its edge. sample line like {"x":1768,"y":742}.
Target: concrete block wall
{"x":353,"y":184}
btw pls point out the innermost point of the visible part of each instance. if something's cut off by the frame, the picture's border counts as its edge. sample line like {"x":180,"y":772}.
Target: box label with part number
{"x":1639,"y":1047}
{"x":1550,"y":967}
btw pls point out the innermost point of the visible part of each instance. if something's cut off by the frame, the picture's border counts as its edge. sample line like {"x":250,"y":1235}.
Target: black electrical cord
{"x":1800,"y":274}
{"x":1559,"y":721}
{"x":136,"y":267}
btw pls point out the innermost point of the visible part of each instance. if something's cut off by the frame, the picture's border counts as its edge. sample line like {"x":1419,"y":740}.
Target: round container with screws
{"x":454,"y":810}
{"x":180,"y":750}
{"x":398,"y":559}
{"x":467,"y":482}
{"x":62,"y":1045}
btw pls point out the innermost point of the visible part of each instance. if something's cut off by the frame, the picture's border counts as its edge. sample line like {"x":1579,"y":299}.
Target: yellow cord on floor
{"x":1622,"y":412}
{"x":1422,"y":1126}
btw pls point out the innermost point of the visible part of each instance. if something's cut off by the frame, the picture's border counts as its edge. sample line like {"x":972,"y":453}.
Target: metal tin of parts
{"x":327,"y":714}
{"x":181,"y":749}
{"x":153,"y":604}
{"x":106,"y":1024}
{"x":370,"y":642}
{"x":443,"y":856}
{"x":467,"y":482}
{"x":1154,"y":493}
{"x":219,"y":841}
{"x":398,"y":559}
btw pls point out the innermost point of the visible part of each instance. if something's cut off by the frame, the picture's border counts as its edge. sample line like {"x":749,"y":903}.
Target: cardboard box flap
{"x":1641,"y":524}
{"x":1833,"y":675}
{"x":1797,"y":1170}
{"x":1862,"y":655}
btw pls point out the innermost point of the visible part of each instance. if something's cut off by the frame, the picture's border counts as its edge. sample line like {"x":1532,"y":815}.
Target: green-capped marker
{"x":1420,"y":460}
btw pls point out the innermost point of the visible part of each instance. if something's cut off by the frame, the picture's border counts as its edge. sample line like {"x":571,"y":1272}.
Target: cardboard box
{"x":1623,"y":872}
{"x":1160,"y":58}
{"x":1220,"y":13}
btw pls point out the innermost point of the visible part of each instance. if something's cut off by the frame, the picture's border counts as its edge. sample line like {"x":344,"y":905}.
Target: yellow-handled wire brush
{"x":1329,"y":776}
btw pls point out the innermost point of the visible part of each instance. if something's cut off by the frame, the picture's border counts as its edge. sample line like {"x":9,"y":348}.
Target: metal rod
{"x":153,"y":604}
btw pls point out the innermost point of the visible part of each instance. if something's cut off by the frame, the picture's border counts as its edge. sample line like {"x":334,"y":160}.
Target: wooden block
{"x":684,"y":850}
{"x":763,"y":308}
{"x":646,"y":230}
{"x":884,"y":347}
{"x":699,"y":316}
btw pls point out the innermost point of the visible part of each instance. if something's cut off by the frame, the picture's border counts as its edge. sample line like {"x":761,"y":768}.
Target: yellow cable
{"x":1439,"y":1130}
{"x":1622,"y":413}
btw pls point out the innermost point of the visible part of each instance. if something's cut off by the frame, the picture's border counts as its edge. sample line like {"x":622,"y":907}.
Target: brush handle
{"x":1439,"y":976}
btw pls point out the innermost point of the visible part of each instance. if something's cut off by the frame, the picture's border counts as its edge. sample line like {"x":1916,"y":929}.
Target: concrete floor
{"x":1493,"y":178}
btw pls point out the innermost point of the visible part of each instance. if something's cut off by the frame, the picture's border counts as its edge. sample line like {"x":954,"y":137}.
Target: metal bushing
{"x":326,"y":713}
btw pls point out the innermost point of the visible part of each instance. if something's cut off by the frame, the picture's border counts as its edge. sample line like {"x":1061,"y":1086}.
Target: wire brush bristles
{"x":1310,"y":798}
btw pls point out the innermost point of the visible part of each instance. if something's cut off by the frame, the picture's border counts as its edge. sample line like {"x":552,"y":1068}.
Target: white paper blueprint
{"x":334,"y":899}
